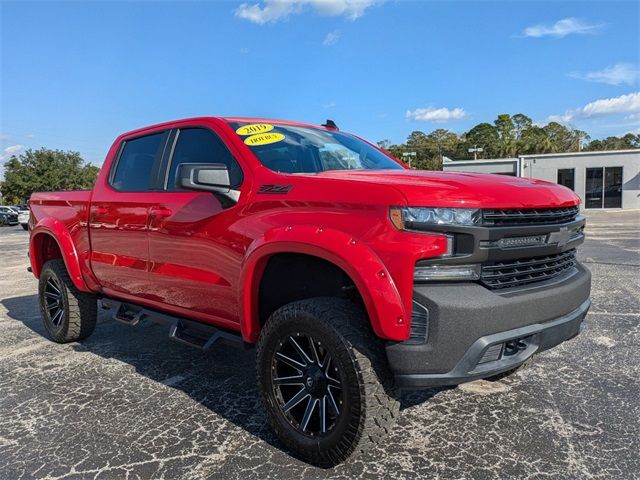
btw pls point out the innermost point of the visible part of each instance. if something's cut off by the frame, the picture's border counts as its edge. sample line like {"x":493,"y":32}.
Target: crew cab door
{"x":195,"y":258}
{"x":118,"y":222}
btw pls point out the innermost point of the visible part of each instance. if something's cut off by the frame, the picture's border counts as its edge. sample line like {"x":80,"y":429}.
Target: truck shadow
{"x":222,"y":380}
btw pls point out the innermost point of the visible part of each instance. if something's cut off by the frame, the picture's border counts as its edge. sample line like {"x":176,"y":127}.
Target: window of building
{"x":603,"y":188}
{"x":566,"y":177}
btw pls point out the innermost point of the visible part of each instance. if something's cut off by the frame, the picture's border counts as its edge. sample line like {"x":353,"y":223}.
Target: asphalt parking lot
{"x":128,"y":403}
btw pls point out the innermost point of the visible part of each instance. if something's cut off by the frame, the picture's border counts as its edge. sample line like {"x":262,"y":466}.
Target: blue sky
{"x":76,"y":74}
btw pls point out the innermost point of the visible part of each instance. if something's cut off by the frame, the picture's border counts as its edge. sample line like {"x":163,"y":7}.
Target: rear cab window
{"x":137,"y":166}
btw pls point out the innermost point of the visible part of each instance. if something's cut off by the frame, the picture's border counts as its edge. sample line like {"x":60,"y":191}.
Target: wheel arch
{"x":370,"y":277}
{"x":50,"y":239}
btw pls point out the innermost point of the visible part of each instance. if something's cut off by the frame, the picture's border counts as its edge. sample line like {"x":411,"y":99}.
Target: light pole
{"x":475,"y":151}
{"x":408,"y":155}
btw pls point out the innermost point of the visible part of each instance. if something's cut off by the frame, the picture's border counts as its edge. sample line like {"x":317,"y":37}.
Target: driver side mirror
{"x":210,"y":177}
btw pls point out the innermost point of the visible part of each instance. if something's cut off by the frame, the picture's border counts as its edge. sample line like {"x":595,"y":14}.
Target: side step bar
{"x":189,"y":332}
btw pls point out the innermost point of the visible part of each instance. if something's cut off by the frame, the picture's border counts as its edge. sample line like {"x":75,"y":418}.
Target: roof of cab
{"x":171,"y":123}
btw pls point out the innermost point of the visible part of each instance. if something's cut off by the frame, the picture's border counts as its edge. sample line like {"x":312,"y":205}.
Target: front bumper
{"x":474,"y":332}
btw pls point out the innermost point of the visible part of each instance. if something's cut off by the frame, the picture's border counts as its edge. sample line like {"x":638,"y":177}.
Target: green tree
{"x":521,"y":124}
{"x":535,"y":140}
{"x":626,"y":142}
{"x":45,"y":170}
{"x":485,"y":136}
{"x":506,"y":135}
{"x":561,"y":137}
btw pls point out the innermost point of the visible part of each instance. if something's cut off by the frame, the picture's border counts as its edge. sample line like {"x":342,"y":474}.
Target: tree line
{"x":507,"y":136}
{"x":45,"y":170}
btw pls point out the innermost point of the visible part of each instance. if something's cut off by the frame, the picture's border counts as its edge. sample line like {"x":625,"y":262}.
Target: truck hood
{"x":424,"y":188}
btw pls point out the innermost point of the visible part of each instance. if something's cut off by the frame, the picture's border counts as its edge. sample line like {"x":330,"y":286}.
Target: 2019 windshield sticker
{"x":254,"y":128}
{"x":263,"y":139}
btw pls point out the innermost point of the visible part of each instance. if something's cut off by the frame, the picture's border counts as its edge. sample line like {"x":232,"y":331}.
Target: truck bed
{"x":69,"y":208}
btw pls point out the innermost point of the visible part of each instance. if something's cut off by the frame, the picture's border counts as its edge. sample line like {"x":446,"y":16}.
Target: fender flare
{"x":55,"y":229}
{"x":376,"y":287}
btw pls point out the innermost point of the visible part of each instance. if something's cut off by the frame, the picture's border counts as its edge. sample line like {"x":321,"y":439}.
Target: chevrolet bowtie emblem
{"x":561,"y":237}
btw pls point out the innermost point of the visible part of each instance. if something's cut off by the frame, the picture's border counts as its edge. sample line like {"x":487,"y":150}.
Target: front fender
{"x":51,"y":227}
{"x":376,"y":287}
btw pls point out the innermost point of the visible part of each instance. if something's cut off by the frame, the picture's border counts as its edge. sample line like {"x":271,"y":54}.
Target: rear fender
{"x":53,"y":228}
{"x":376,"y":287}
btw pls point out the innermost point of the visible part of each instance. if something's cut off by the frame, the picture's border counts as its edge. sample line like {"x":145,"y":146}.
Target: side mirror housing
{"x":209,"y":177}
{"x":213,"y":177}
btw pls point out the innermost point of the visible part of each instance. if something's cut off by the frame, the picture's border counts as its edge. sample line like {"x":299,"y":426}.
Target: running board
{"x":189,"y":332}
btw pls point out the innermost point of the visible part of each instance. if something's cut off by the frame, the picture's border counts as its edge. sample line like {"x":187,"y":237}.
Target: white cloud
{"x":9,"y":151}
{"x":270,"y":11}
{"x":331,"y":38}
{"x":432,"y":114}
{"x":561,"y":28}
{"x":618,"y":74}
{"x":629,"y":103}
{"x":330,"y":104}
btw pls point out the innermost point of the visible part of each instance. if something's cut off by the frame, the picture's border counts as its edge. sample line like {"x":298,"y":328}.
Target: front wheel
{"x":324,"y":380}
{"x":69,"y":315}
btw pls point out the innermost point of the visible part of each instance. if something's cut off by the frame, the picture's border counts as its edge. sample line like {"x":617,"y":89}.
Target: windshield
{"x":291,"y":149}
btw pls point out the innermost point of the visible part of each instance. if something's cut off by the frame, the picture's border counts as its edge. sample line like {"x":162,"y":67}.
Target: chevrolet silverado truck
{"x":354,"y":276}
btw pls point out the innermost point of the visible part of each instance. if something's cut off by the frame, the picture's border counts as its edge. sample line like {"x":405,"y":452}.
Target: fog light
{"x":431,"y":273}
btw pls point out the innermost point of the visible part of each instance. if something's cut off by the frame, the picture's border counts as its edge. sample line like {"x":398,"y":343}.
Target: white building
{"x":608,"y":179}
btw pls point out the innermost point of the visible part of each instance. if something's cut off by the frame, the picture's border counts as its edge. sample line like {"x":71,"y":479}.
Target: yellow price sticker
{"x":254,"y":128}
{"x":263,"y":139}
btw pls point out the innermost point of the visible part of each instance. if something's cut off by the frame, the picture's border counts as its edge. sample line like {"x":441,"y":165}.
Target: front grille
{"x":529,"y":216}
{"x":514,"y":273}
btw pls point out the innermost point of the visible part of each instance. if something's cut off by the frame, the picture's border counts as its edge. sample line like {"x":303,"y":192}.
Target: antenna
{"x":330,"y":124}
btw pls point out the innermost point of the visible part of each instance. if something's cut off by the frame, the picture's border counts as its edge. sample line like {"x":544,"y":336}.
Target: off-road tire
{"x":80,"y":310}
{"x":370,"y":403}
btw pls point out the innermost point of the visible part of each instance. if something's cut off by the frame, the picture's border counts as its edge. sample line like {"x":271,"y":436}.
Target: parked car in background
{"x":8,"y":216}
{"x":23,"y":215}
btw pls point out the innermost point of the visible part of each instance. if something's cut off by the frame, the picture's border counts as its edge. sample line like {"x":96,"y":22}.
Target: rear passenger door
{"x":194,"y":258}
{"x":119,"y":217}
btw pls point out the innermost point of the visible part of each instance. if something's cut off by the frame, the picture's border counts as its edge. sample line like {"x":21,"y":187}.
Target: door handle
{"x":160,"y":212}
{"x":100,"y":210}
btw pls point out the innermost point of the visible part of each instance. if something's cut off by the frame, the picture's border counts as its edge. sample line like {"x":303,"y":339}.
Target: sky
{"x":76,"y":74}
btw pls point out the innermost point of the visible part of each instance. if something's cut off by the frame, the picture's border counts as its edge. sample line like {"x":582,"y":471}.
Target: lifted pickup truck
{"x":355,"y":276}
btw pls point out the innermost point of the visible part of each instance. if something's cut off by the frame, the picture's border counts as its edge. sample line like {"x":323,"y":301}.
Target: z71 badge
{"x":274,"y":188}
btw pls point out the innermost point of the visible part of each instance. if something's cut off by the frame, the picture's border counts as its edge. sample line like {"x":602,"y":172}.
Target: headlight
{"x":420,"y":218}
{"x":441,"y":273}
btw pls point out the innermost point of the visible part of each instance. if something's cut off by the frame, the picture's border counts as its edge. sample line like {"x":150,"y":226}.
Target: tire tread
{"x":381,"y":405}
{"x":82,"y":307}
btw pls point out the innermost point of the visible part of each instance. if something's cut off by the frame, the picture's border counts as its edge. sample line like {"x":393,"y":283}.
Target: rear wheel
{"x":25,"y":226}
{"x":69,"y":315}
{"x":324,"y":380}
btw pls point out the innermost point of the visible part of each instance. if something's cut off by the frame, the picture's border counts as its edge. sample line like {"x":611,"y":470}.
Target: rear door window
{"x":136,"y":170}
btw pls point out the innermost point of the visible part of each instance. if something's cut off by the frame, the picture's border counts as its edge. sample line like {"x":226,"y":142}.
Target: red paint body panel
{"x":182,"y":253}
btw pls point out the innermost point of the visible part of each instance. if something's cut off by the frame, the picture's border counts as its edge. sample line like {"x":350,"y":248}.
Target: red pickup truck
{"x":354,"y":276}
